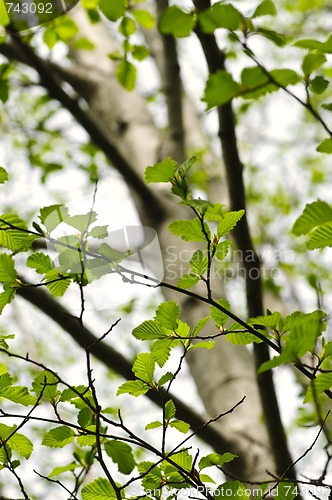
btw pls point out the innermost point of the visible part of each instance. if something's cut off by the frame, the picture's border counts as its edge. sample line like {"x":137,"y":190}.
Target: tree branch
{"x":172,"y":84}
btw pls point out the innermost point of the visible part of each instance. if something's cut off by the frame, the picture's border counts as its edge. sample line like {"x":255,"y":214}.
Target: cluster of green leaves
{"x":74,"y":263}
{"x":202,"y":227}
{"x":129,"y":18}
{"x":316,"y":223}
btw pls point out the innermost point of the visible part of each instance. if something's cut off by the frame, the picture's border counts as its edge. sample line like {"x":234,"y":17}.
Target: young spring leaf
{"x":168,"y":314}
{"x":17,"y":394}
{"x":215,"y":459}
{"x":57,"y":283}
{"x":100,"y":488}
{"x":52,"y":216}
{"x":161,"y":350}
{"x":64,"y":468}
{"x":199,"y":263}
{"x":161,"y":172}
{"x":265,"y":8}
{"x":17,"y":442}
{"x":170,"y":410}
{"x":153,"y":425}
{"x":45,"y":384}
{"x":220,"y":318}
{"x":3,"y":175}
{"x":312,"y":61}
{"x":176,"y":22}
{"x":222,"y":249}
{"x":187,"y":281}
{"x":149,"y":330}
{"x":207,"y":344}
{"x":229,"y":222}
{"x":325,"y":146}
{"x":220,"y":88}
{"x":6,"y":297}
{"x":180,"y":425}
{"x":322,"y":382}
{"x":189,"y":230}
{"x":220,"y":16}
{"x":8,"y":274}
{"x":126,"y":74}
{"x":40,"y":262}
{"x":144,"y":367}
{"x":133,"y":387}
{"x":58,"y":437}
{"x":113,"y":9}
{"x":314,"y":214}
{"x":144,"y":18}
{"x":13,"y":233}
{"x":121,"y":454}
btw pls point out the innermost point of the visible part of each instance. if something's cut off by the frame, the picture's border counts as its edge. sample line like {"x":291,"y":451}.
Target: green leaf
{"x":160,"y":351}
{"x":64,"y":468}
{"x":208,"y":344}
{"x":183,"y":459}
{"x":100,"y":488}
{"x":112,"y":9}
{"x":83,"y":43}
{"x":144,"y":18}
{"x":4,"y":89}
{"x":81,"y":222}
{"x":140,"y":52}
{"x":255,"y":82}
{"x":112,"y":255}
{"x":53,"y":215}
{"x":57,"y":283}
{"x":187,"y":280}
{"x":325,"y":47}
{"x":319,"y":84}
{"x":3,"y":172}
{"x":13,"y":233}
{"x":133,"y":387}
{"x":235,"y":490}
{"x":215,"y":459}
{"x":189,"y":230}
{"x":220,"y":88}
{"x":199,"y":263}
{"x":87,"y":439}
{"x":169,"y":410}
{"x":165,"y":378}
{"x":321,"y":237}
{"x":121,"y":454}
{"x":18,"y":394}
{"x":222,"y":249}
{"x":314,"y":214}
{"x":8,"y":274}
{"x":312,"y":61}
{"x":325,"y":146}
{"x":4,"y":19}
{"x":144,"y":367}
{"x":6,"y":297}
{"x":176,"y":22}
{"x":40,"y":262}
{"x":45,"y":384}
{"x":149,"y":330}
{"x":17,"y":442}
{"x":220,"y":16}
{"x":201,"y":323}
{"x":99,"y":232}
{"x":126,"y":74}
{"x":161,"y":172}
{"x":321,"y":383}
{"x":220,"y":318}
{"x":153,"y":425}
{"x":229,"y":222}
{"x":327,"y":106}
{"x":127,"y":26}
{"x":168,"y":314}
{"x":180,"y":425}
{"x":270,"y":320}
{"x":266,"y":8}
{"x":277,"y":38}
{"x":214,"y":212}
{"x":242,"y":338}
{"x":58,"y":437}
